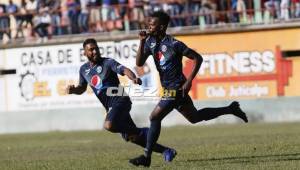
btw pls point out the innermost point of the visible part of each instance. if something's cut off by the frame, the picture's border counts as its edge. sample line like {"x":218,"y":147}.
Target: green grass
{"x":242,"y":146}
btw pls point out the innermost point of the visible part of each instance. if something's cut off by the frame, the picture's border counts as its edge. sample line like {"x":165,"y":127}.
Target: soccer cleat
{"x":237,"y":111}
{"x":141,"y":160}
{"x":169,"y":154}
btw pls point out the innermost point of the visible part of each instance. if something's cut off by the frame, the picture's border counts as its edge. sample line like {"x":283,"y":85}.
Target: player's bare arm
{"x":140,"y":57}
{"x":71,"y":89}
{"x":197,"y":58}
{"x":132,"y":76}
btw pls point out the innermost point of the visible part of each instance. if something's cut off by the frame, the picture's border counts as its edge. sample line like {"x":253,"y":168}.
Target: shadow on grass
{"x":254,"y":158}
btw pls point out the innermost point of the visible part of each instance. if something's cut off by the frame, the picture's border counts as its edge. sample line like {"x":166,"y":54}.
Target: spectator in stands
{"x":194,"y":6}
{"x":222,"y":7}
{"x":273,"y":6}
{"x":123,"y":10}
{"x":40,"y":4}
{"x":175,"y":10}
{"x":41,"y":23}
{"x":54,"y":11}
{"x":208,"y":9}
{"x":109,"y":14}
{"x":73,"y":7}
{"x":234,"y":16}
{"x":65,"y":21}
{"x":147,"y":7}
{"x":83,"y":16}
{"x":21,"y":18}
{"x":31,"y":9}
{"x":277,"y":8}
{"x":12,"y":9}
{"x":4,"y":22}
{"x":285,"y":8}
{"x":156,"y":5}
{"x":66,"y":16}
{"x":296,"y":4}
{"x":241,"y":10}
{"x":95,"y":21}
{"x":137,"y":15}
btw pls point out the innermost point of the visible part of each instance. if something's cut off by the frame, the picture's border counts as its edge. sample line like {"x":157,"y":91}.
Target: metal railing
{"x":127,"y":18}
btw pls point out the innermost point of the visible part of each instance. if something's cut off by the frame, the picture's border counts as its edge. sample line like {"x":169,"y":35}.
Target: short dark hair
{"x":89,"y":41}
{"x":163,"y":17}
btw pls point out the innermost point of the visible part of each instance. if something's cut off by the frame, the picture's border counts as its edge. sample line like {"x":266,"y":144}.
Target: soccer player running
{"x":101,"y":74}
{"x":167,"y":53}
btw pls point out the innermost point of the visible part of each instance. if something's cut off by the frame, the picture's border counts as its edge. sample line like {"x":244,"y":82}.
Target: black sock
{"x":159,"y":148}
{"x":210,"y":113}
{"x":142,"y":139}
{"x":152,"y":137}
{"x":126,"y":129}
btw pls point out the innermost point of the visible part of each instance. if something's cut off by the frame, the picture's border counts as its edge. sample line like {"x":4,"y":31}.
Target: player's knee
{"x":153,"y":118}
{"x":129,"y":137}
{"x":194,"y":120}
{"x":108,"y":126}
{"x":133,"y":138}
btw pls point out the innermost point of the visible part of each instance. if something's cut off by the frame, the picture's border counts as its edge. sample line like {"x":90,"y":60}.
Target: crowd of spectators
{"x":46,"y":18}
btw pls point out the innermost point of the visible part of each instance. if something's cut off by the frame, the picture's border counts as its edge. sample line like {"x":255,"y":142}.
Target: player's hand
{"x":186,"y":87}
{"x":143,"y":35}
{"x":69,"y":89}
{"x":137,"y":81}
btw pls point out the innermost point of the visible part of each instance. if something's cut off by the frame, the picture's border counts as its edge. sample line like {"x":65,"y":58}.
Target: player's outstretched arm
{"x":141,"y":57}
{"x":132,"y":76}
{"x":71,"y":89}
{"x":197,"y":58}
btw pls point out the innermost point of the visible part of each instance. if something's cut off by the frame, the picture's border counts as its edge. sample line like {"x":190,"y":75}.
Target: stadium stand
{"x":28,"y":21}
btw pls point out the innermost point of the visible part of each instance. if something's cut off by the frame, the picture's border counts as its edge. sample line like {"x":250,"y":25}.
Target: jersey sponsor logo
{"x":96,"y":82}
{"x":161,"y":58}
{"x":99,"y":69}
{"x":163,"y":48}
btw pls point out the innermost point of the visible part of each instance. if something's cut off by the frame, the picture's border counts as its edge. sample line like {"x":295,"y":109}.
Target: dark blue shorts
{"x":174,"y":102}
{"x":119,"y":115}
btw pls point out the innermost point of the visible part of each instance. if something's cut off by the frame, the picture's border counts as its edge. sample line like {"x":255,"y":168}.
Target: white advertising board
{"x":44,"y":72}
{"x":2,"y":88}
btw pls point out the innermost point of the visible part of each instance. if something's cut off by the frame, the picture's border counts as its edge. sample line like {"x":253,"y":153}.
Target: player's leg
{"x":160,"y":111}
{"x":168,"y":153}
{"x":141,"y":140}
{"x":113,"y":121}
{"x":188,"y":110}
{"x":119,"y":120}
{"x":139,"y":136}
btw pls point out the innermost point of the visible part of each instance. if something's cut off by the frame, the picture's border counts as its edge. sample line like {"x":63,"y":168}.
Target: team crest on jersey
{"x":96,"y":82}
{"x":87,"y":71}
{"x":163,"y":48}
{"x":99,"y":69}
{"x":152,"y":45}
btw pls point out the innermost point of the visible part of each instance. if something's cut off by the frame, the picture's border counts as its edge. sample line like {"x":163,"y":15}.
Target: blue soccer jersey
{"x":167,"y":56}
{"x":101,"y":76}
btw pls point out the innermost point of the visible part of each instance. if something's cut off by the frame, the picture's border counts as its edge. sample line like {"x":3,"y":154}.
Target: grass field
{"x":242,"y":146}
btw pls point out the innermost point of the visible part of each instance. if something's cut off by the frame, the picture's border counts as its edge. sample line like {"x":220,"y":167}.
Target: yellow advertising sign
{"x":245,"y":65}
